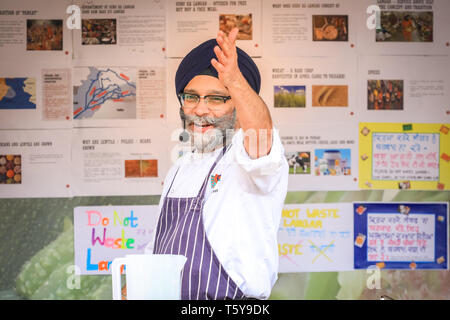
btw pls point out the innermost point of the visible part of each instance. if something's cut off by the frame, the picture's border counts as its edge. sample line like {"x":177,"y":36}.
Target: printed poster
{"x":321,"y":157}
{"x":310,"y":89}
{"x":414,"y":88}
{"x":119,"y":161}
{"x":35,"y":31}
{"x":398,"y":27}
{"x":35,"y":96}
{"x":193,"y":22}
{"x":118,"y":96}
{"x":310,"y":28}
{"x":125,"y":33}
{"x":35,"y":163}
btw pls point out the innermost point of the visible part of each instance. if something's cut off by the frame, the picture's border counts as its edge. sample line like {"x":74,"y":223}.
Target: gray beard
{"x":216,"y":137}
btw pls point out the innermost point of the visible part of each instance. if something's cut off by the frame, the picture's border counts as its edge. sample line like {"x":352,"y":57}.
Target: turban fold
{"x":198,"y":62}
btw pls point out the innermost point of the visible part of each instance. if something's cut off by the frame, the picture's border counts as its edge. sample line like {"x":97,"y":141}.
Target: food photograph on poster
{"x":44,"y":34}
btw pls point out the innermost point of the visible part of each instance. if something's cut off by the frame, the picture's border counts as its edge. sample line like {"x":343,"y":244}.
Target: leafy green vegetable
{"x":352,"y":284}
{"x":322,"y":285}
{"x":48,"y":274}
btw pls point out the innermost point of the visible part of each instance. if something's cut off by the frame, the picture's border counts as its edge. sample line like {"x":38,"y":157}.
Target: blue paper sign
{"x":401,"y":235}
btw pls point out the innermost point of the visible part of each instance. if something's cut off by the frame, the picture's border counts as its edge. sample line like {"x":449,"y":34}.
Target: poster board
{"x":310,"y":89}
{"x":401,"y":235}
{"x":320,"y":156}
{"x":193,"y":22}
{"x":35,"y":96}
{"x":35,"y":163}
{"x":119,"y":96}
{"x":399,"y":88}
{"x":310,"y":28}
{"x":316,"y":237}
{"x":404,"y":156}
{"x":103,"y":233}
{"x":125,"y":33}
{"x":119,"y":161}
{"x":35,"y":31}
{"x":425,"y":33}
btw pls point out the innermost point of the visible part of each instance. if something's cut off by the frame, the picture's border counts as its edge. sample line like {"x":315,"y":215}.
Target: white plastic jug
{"x":149,"y":276}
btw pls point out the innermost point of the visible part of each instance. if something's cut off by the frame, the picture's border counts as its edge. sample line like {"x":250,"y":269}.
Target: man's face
{"x":208,"y":126}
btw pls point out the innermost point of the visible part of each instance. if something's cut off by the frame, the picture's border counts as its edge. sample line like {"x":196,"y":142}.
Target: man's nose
{"x":202,"y":108}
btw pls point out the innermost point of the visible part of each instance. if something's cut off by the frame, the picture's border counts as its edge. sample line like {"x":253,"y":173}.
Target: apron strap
{"x":170,"y":187}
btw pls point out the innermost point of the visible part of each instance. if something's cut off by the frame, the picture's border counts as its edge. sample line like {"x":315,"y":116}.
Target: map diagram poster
{"x":104,"y":93}
{"x":35,"y":95}
{"x":401,"y":235}
{"x":111,"y":96}
{"x":17,"y":93}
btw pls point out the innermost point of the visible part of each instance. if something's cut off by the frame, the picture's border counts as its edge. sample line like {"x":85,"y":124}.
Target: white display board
{"x":310,"y":28}
{"x":321,"y":156}
{"x":404,"y":27}
{"x":192,"y":22}
{"x":119,"y":161}
{"x":35,"y":163}
{"x":35,"y":96}
{"x":35,"y":31}
{"x":313,"y":89}
{"x":125,"y":33}
{"x":118,"y":96}
{"x":398,"y":89}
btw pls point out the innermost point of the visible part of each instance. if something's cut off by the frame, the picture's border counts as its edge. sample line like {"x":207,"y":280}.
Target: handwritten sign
{"x":316,"y":237}
{"x":107,"y":232}
{"x":404,"y":156}
{"x":401,"y":235}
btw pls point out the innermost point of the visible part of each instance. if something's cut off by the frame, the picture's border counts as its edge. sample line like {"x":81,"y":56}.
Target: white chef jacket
{"x":242,"y":211}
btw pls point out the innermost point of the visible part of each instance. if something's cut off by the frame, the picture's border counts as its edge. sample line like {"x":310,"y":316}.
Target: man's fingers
{"x":227,"y":43}
{"x":220,"y":55}
{"x":222,"y":41}
{"x":217,"y":65}
{"x":233,"y":35}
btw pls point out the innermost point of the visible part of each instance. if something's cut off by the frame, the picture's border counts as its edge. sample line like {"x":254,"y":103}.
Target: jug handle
{"x":115,"y":272}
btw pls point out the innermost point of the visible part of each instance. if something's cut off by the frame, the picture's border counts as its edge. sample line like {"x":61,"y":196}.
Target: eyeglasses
{"x":191,"y":100}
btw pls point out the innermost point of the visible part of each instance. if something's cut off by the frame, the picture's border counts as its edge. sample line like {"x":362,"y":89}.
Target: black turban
{"x":198,"y":62}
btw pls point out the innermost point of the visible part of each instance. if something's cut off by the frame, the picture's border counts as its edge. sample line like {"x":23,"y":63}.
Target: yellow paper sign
{"x":404,"y":156}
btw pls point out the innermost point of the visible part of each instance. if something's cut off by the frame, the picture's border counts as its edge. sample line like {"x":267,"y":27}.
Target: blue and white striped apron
{"x":180,"y":230}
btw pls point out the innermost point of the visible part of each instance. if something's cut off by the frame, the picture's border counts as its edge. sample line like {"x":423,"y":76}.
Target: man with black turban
{"x":222,"y":202}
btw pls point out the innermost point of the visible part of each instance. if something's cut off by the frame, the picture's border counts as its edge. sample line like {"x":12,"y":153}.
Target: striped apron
{"x":180,"y":230}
